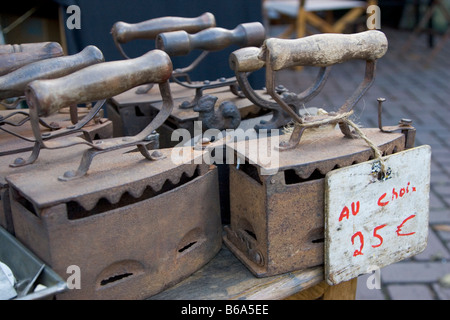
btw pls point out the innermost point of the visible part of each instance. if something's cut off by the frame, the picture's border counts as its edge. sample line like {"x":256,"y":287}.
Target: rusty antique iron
{"x":277,"y":220}
{"x":115,"y":223}
{"x":110,"y":217}
{"x":277,"y":208}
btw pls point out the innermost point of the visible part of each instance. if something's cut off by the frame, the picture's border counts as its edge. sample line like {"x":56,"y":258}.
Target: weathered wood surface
{"x":14,"y":83}
{"x":226,"y":278}
{"x":324,"y":49}
{"x":99,"y":81}
{"x":14,"y":56}
{"x":149,"y":29}
{"x":371,"y":222}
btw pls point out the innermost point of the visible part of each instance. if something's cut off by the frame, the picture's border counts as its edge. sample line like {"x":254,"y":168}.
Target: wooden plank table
{"x":226,"y":278}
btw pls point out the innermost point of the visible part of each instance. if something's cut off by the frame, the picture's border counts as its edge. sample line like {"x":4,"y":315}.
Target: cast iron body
{"x":116,"y":223}
{"x":277,"y":221}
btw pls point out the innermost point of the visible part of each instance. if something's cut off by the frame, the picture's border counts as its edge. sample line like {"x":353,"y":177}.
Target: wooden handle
{"x":213,"y":39}
{"x":13,"y":84}
{"x":15,"y":56}
{"x":246,"y":60}
{"x":31,"y":47}
{"x":324,"y":49}
{"x":124,"y":32}
{"x":97,"y":82}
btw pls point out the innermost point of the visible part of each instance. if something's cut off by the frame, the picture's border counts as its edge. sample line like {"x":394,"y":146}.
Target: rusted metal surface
{"x":282,"y":228}
{"x":48,"y":159}
{"x":14,"y":56}
{"x":114,"y":223}
{"x":225,"y":116}
{"x":13,"y":148}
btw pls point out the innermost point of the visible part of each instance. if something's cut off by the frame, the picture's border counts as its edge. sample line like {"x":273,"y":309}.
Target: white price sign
{"x":372,"y":222}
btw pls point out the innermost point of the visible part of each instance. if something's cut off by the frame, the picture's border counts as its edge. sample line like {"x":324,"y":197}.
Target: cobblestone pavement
{"x":421,"y":93}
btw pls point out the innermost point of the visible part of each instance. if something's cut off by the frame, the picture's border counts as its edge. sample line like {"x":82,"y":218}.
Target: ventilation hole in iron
{"x":115,"y":278}
{"x":291,"y":177}
{"x":25,"y":203}
{"x":76,"y":211}
{"x":251,"y":234}
{"x":187,"y":246}
{"x":320,"y":240}
{"x":138,"y":112}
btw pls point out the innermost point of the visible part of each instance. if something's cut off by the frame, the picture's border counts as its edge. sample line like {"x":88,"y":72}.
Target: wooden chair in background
{"x":301,"y":14}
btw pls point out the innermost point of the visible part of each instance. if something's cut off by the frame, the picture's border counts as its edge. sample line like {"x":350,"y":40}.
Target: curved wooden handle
{"x":124,"y":32}
{"x":213,"y":39}
{"x":246,"y":60}
{"x":324,"y":49}
{"x":13,"y":84}
{"x":14,"y":56}
{"x":97,"y":82}
{"x":31,"y":47}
